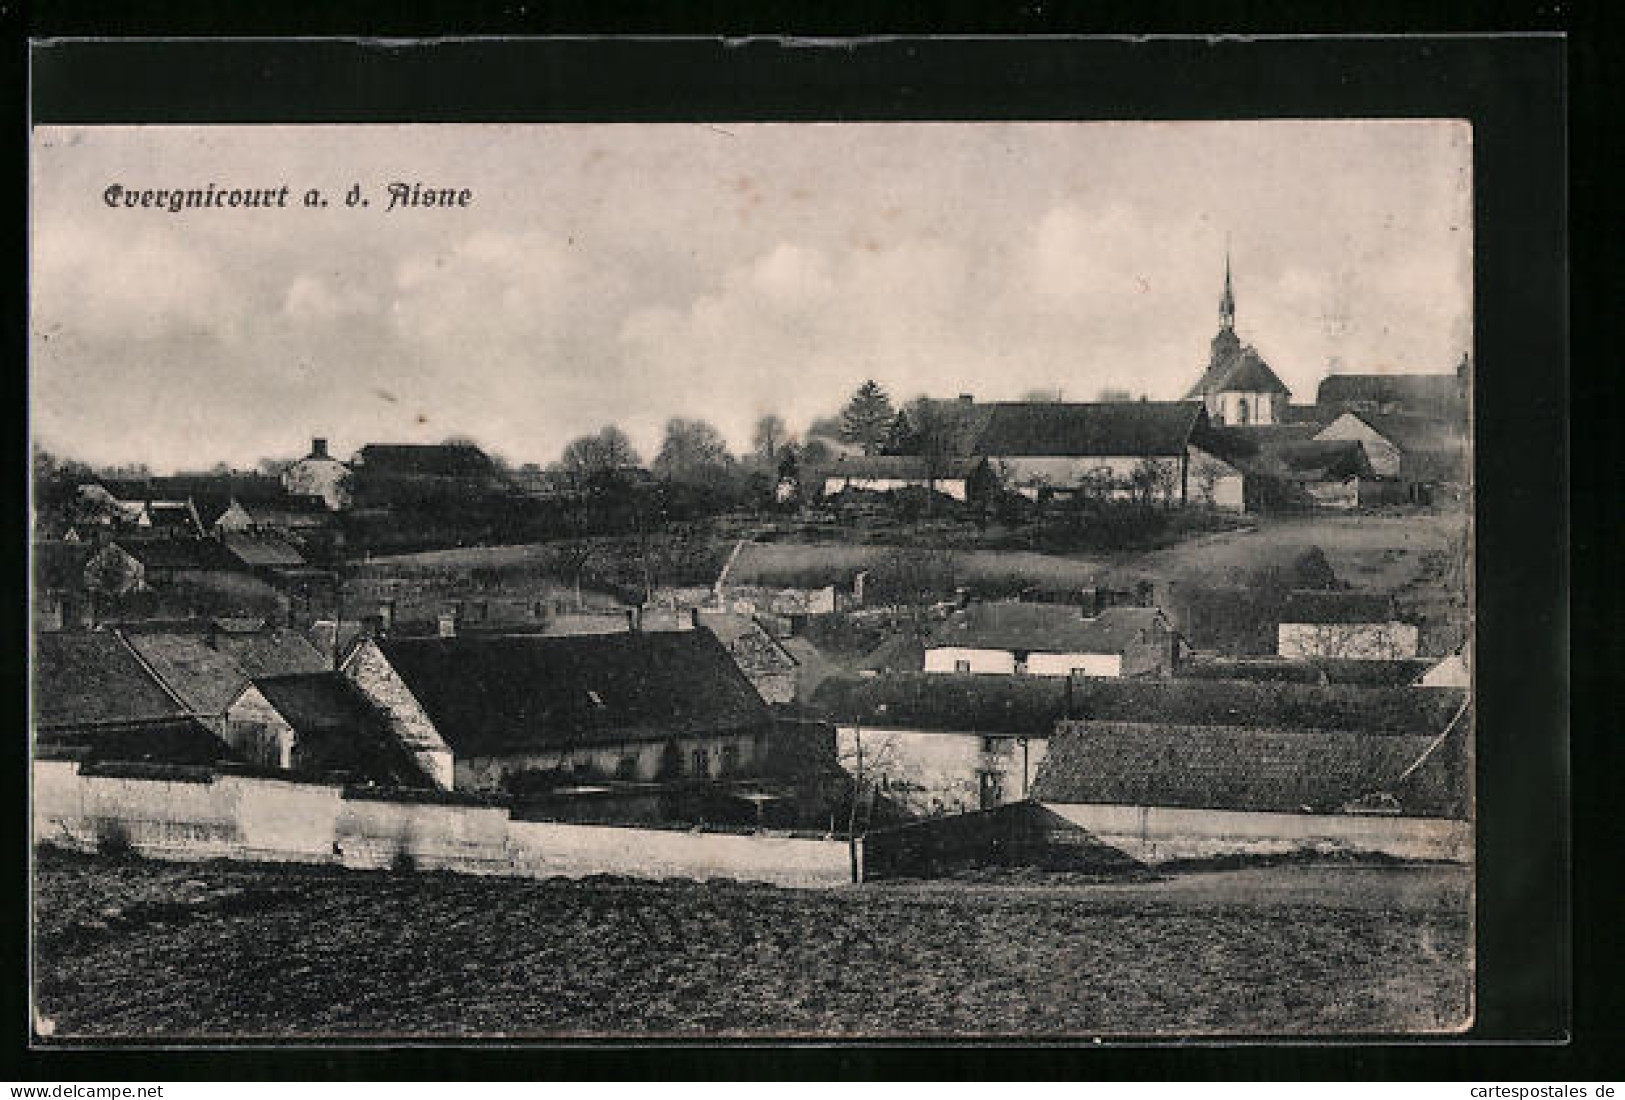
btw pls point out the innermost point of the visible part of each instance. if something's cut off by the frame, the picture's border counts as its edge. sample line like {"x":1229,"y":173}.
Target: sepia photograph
{"x":752,"y":580}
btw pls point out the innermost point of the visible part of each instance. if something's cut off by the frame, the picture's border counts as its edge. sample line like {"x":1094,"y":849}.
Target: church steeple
{"x":1227,"y":301}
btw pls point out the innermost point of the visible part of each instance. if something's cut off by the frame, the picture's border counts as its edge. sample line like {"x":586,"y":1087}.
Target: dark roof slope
{"x":1106,"y":429}
{"x":1199,"y":702}
{"x":454,"y":460}
{"x":1416,"y":390}
{"x":1237,"y":368}
{"x":517,"y":693}
{"x":94,"y":680}
{"x":1258,"y":769}
{"x":1046,"y":628}
{"x":1338,"y":607}
{"x":60,"y":564}
{"x":167,"y":741}
{"x":208,"y":668}
{"x":337,"y":729}
{"x":900,"y":467}
{"x":168,"y":553}
{"x":1023,"y":706}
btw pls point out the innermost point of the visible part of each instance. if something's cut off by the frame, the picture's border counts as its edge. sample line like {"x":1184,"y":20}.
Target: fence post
{"x":856,"y":848}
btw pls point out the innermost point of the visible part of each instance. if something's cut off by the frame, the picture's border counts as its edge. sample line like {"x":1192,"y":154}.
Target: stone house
{"x":207,"y":667}
{"x":932,"y":744}
{"x":1416,"y":450}
{"x":1013,"y":638}
{"x":321,"y":475}
{"x":132,"y":565}
{"x":317,"y":723}
{"x":495,"y":713}
{"x":1436,"y":396}
{"x":1346,"y":625}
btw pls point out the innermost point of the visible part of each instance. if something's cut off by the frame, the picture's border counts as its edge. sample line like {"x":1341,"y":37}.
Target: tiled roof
{"x":171,"y":553}
{"x":1045,"y":628}
{"x":424,"y":460}
{"x":1338,"y":607}
{"x":261,"y":550}
{"x":1417,"y":390}
{"x":87,"y":680}
{"x":1018,"y":705}
{"x":274,"y":652}
{"x":202,"y":677}
{"x":1410,"y":432}
{"x":1106,"y":429}
{"x":337,"y":730}
{"x":492,"y":695}
{"x":1240,"y":369}
{"x":1259,"y":769}
{"x":61,"y":564}
{"x":1201,"y":702}
{"x":180,"y":740}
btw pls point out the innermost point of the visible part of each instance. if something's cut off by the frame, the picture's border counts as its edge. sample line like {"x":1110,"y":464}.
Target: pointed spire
{"x":1227,"y":302}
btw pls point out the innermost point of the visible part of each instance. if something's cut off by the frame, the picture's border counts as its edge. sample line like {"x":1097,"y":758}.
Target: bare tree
{"x":605,"y":452}
{"x":692,"y":451}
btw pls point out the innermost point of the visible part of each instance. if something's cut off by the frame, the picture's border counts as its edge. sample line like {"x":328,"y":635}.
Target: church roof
{"x":1242,"y":370}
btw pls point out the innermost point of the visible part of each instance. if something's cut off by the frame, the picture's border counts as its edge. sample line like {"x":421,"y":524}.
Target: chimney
{"x":634,"y":620}
{"x":448,"y":624}
{"x":967,"y":399}
{"x":858,"y":582}
{"x":318,"y":447}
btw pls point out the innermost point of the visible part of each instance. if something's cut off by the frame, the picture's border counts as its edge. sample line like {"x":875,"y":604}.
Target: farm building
{"x":95,"y":700}
{"x":632,"y":706}
{"x":288,"y":516}
{"x":1162,"y":792}
{"x":1348,"y":625}
{"x":415,"y":472}
{"x":936,"y":744}
{"x":206,"y":668}
{"x":1414,"y":450}
{"x":317,"y":723}
{"x":1011,"y":638}
{"x":1437,"y":396}
{"x":319,"y":474}
{"x":1238,"y":386}
{"x":1139,"y":449}
{"x":960,"y":478}
{"x":132,"y":564}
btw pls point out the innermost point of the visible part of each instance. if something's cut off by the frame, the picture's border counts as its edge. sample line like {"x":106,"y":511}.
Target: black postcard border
{"x":1511,"y":88}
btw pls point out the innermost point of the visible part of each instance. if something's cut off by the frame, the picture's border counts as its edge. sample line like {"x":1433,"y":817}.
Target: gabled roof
{"x":1104,"y":429}
{"x":273,"y":652}
{"x":1283,"y":770}
{"x":1237,"y":369}
{"x":1415,"y":390}
{"x":261,"y":550}
{"x":207,"y":669}
{"x":1338,"y":607}
{"x":1016,"y":705}
{"x":455,"y":460}
{"x":1410,"y":432}
{"x":87,"y":680}
{"x":337,"y":729}
{"x":1044,"y":628}
{"x":494,"y":695}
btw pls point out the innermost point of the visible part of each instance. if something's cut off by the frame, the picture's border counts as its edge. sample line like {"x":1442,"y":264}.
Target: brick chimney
{"x":967,"y":399}
{"x":318,"y":447}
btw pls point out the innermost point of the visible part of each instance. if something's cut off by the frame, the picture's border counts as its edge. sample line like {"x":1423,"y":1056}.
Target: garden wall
{"x":1158,"y":834}
{"x":193,"y":814}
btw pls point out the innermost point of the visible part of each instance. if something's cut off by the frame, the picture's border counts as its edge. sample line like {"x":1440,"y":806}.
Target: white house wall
{"x":1362,"y":641}
{"x":1002,"y":662}
{"x":952,"y":487}
{"x":940,"y":772}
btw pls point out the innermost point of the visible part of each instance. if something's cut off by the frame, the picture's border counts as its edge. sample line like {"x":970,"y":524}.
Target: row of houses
{"x":1234,"y":442}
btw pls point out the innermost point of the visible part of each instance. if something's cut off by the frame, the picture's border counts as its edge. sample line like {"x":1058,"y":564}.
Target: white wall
{"x":948,"y":486}
{"x":235,"y":817}
{"x":932,"y":771}
{"x":1002,"y":662}
{"x":1156,"y":834}
{"x":1360,"y":641}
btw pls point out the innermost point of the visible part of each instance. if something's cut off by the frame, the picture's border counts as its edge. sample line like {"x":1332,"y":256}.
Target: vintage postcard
{"x":752,"y":580}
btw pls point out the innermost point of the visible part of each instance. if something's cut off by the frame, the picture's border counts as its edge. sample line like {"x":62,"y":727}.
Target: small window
{"x":961,"y":666}
{"x":990,"y":744}
{"x":597,"y":701}
{"x":626,"y":767}
{"x":701,"y":759}
{"x":730,"y":759}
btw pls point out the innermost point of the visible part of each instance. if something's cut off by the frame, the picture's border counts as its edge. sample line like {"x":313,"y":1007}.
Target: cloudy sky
{"x":630,"y":273}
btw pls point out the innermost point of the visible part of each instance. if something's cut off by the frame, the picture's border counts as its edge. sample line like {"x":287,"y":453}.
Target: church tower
{"x":1238,"y":387}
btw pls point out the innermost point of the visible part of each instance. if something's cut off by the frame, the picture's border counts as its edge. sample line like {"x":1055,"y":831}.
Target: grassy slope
{"x":145,"y":949}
